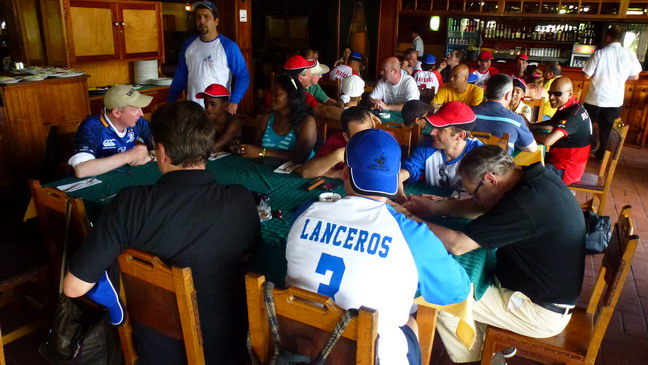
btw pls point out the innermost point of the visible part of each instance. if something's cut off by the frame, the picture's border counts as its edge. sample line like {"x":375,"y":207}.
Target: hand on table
{"x":248,"y":150}
{"x":380,"y":105}
{"x":138,"y":155}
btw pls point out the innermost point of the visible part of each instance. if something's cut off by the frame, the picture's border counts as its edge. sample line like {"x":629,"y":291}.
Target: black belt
{"x":555,"y":308}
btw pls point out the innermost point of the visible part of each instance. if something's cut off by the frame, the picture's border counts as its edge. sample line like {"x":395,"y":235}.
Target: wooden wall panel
{"x":387,"y":28}
{"x":244,"y":41}
{"x":27,"y":16}
{"x":54,"y":33}
{"x":92,"y":30}
{"x":142,"y":29}
{"x":107,"y":73}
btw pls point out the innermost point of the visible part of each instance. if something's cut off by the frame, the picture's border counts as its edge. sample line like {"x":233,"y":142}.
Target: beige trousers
{"x":501,"y":308}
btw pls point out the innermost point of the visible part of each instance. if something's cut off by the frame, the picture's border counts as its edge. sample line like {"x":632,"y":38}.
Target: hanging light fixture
{"x":188,"y":6}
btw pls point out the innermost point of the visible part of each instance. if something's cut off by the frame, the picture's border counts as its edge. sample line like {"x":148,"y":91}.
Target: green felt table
{"x":393,"y":116}
{"x":287,"y":192}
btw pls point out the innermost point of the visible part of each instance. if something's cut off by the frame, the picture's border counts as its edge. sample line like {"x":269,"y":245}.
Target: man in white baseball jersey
{"x":360,"y":251}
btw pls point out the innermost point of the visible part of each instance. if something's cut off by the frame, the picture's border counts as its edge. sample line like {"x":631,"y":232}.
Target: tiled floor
{"x":626,"y":341}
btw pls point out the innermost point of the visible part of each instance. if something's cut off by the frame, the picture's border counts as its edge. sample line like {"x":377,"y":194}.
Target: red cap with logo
{"x":453,"y":114}
{"x":297,"y":63}
{"x":215,"y":91}
{"x":485,"y":56}
{"x":522,"y":56}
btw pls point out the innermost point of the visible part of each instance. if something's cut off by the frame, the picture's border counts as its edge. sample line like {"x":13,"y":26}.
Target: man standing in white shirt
{"x":417,"y":42}
{"x":608,"y":68}
{"x":395,"y":87}
{"x":210,"y":58}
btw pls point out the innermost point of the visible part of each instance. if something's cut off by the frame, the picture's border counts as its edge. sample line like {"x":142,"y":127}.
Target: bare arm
{"x":532,"y":147}
{"x":306,"y":137}
{"x":455,"y":242}
{"x":424,"y":207}
{"x":331,"y":101}
{"x":402,"y":176}
{"x":587,"y":77}
{"x":550,"y":138}
{"x":635,"y":77}
{"x":137,"y":155}
{"x":232,"y":131}
{"x":328,"y":111}
{"x":320,"y":166}
{"x":74,"y":287}
{"x":231,"y":108}
{"x":436,"y":106}
{"x":393,"y":107}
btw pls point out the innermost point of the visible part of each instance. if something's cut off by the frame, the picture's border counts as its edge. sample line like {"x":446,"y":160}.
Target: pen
{"x":123,"y":171}
{"x":315,"y":184}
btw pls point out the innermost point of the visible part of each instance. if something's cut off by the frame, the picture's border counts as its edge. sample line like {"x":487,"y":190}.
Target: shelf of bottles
{"x":463,"y":33}
{"x":583,"y":33}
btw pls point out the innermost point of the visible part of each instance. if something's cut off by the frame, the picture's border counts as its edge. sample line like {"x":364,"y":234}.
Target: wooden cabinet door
{"x":141,"y":30}
{"x":93,"y":31}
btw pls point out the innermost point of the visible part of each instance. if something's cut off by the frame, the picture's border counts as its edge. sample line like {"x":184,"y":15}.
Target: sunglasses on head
{"x":555,"y":93}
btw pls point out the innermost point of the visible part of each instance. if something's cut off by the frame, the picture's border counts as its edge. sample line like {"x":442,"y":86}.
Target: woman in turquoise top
{"x":289,"y":131}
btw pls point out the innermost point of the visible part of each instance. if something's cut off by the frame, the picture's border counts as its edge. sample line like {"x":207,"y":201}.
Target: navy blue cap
{"x":374,"y":160}
{"x":105,"y":294}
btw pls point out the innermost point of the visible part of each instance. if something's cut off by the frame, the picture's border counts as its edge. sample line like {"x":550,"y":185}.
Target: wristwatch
{"x":262,"y":153}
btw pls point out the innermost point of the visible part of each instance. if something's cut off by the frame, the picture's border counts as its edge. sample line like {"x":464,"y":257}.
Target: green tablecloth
{"x":287,"y":192}
{"x":395,"y":117}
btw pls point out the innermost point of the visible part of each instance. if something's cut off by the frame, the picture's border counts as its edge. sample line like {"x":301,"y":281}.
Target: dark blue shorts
{"x":413,"y":347}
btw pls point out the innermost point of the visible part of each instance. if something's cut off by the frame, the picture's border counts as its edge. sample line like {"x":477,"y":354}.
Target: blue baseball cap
{"x":472,"y":78}
{"x":429,"y":59}
{"x":374,"y":160}
{"x":104,"y":293}
{"x":356,"y":56}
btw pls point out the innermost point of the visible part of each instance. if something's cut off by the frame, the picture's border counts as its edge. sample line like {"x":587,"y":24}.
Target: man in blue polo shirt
{"x":117,"y":136}
{"x":437,"y":158}
{"x":376,"y":257}
{"x":496,"y":118}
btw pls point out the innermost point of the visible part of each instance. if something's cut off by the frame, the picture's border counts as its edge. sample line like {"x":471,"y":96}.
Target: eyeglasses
{"x":474,"y":193}
{"x":445,"y":179}
{"x":555,"y":93}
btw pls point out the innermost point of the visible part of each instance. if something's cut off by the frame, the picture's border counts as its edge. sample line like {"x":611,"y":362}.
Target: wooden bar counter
{"x":27,"y":112}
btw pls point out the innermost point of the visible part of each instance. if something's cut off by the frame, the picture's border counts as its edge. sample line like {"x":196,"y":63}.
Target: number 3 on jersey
{"x":334,"y":264}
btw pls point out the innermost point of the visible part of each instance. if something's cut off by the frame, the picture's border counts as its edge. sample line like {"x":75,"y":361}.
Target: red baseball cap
{"x":297,"y":63}
{"x":485,"y":56}
{"x":453,"y":114}
{"x":522,"y":56}
{"x":215,"y":91}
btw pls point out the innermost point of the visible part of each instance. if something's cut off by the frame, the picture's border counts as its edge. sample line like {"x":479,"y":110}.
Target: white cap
{"x":319,"y":69}
{"x":352,"y":86}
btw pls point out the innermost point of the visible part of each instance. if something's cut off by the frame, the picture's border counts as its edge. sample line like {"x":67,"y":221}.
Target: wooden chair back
{"x":2,"y":358}
{"x":600,"y":184}
{"x":488,"y":138}
{"x":50,"y":205}
{"x":162,"y":298}
{"x":427,"y":95}
{"x":580,"y":341}
{"x":331,"y":88}
{"x":402,"y":133}
{"x":537,"y":109}
{"x":306,"y":320}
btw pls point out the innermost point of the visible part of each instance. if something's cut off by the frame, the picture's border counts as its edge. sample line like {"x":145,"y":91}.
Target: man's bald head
{"x":391,"y":70}
{"x":560,"y":92}
{"x":459,"y":78}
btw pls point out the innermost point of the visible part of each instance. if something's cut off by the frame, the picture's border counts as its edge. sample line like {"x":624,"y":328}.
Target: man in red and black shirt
{"x":570,"y":133}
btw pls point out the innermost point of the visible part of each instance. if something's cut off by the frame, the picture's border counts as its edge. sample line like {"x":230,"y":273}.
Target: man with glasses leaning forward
{"x":570,"y":131}
{"x":437,"y":158}
{"x":534,"y":221}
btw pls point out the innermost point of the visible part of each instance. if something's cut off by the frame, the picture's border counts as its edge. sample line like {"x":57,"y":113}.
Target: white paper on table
{"x":78,"y":185}
{"x":287,"y":167}
{"x":217,"y":155}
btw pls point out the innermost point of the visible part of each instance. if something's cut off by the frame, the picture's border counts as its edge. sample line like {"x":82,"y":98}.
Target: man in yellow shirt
{"x":551,"y":72}
{"x":458,"y":89}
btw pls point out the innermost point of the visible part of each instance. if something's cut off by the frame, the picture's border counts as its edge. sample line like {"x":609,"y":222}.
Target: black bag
{"x":598,"y":232}
{"x":80,"y":334}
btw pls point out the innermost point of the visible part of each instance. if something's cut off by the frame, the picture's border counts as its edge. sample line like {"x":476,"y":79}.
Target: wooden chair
{"x":537,"y":109}
{"x":599,"y":184}
{"x":579,"y":343}
{"x":331,"y":88}
{"x":58,"y":149}
{"x":427,"y":95}
{"x":162,"y":298}
{"x":488,"y":138}
{"x":306,"y":320}
{"x":402,"y":133}
{"x":2,"y":358}
{"x":26,"y":268}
